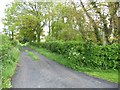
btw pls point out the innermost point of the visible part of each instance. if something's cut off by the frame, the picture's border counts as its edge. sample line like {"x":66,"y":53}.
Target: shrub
{"x":86,"y":54}
{"x":8,"y":60}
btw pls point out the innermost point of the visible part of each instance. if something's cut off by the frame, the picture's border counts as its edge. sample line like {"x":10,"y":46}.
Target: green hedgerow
{"x":86,"y":54}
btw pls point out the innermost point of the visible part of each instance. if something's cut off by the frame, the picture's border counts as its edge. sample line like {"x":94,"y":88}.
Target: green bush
{"x":86,"y":54}
{"x":8,"y":60}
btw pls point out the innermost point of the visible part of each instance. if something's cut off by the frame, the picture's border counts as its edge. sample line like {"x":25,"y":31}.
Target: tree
{"x":28,"y":20}
{"x":10,"y":20}
{"x":95,"y":26}
{"x":103,"y":19}
{"x":112,"y":7}
{"x":67,"y":19}
{"x":35,"y":10}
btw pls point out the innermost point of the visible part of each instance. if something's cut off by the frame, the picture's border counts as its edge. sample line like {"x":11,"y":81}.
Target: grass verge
{"x":109,"y":75}
{"x":9,"y":66}
{"x":31,"y":54}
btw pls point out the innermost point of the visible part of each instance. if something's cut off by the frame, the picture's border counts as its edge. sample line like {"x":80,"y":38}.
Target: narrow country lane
{"x":45,"y":73}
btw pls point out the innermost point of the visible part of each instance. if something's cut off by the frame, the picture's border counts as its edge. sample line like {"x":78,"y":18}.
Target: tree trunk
{"x":96,"y":31}
{"x":38,"y":37}
{"x":107,"y":33}
{"x":49,"y":28}
{"x":12,"y":35}
{"x":119,"y":29}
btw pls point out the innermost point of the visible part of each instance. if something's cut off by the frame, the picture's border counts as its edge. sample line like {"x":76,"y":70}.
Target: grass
{"x":31,"y":54}
{"x":9,"y":67}
{"x":109,"y":75}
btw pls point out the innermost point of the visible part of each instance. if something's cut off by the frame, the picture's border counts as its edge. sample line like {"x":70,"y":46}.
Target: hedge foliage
{"x":86,"y":54}
{"x":8,"y":59}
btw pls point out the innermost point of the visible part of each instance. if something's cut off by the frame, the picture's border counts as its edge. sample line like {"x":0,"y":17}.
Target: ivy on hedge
{"x":86,"y":54}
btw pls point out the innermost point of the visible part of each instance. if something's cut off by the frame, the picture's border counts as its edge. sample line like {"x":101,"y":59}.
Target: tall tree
{"x":112,"y":7}
{"x":95,"y":26}
{"x":10,"y":19}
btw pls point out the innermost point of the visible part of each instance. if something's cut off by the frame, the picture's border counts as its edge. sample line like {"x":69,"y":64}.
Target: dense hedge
{"x":8,"y":59}
{"x":86,"y":54}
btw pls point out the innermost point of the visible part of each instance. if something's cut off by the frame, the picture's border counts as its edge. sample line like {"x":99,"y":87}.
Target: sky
{"x":3,"y":4}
